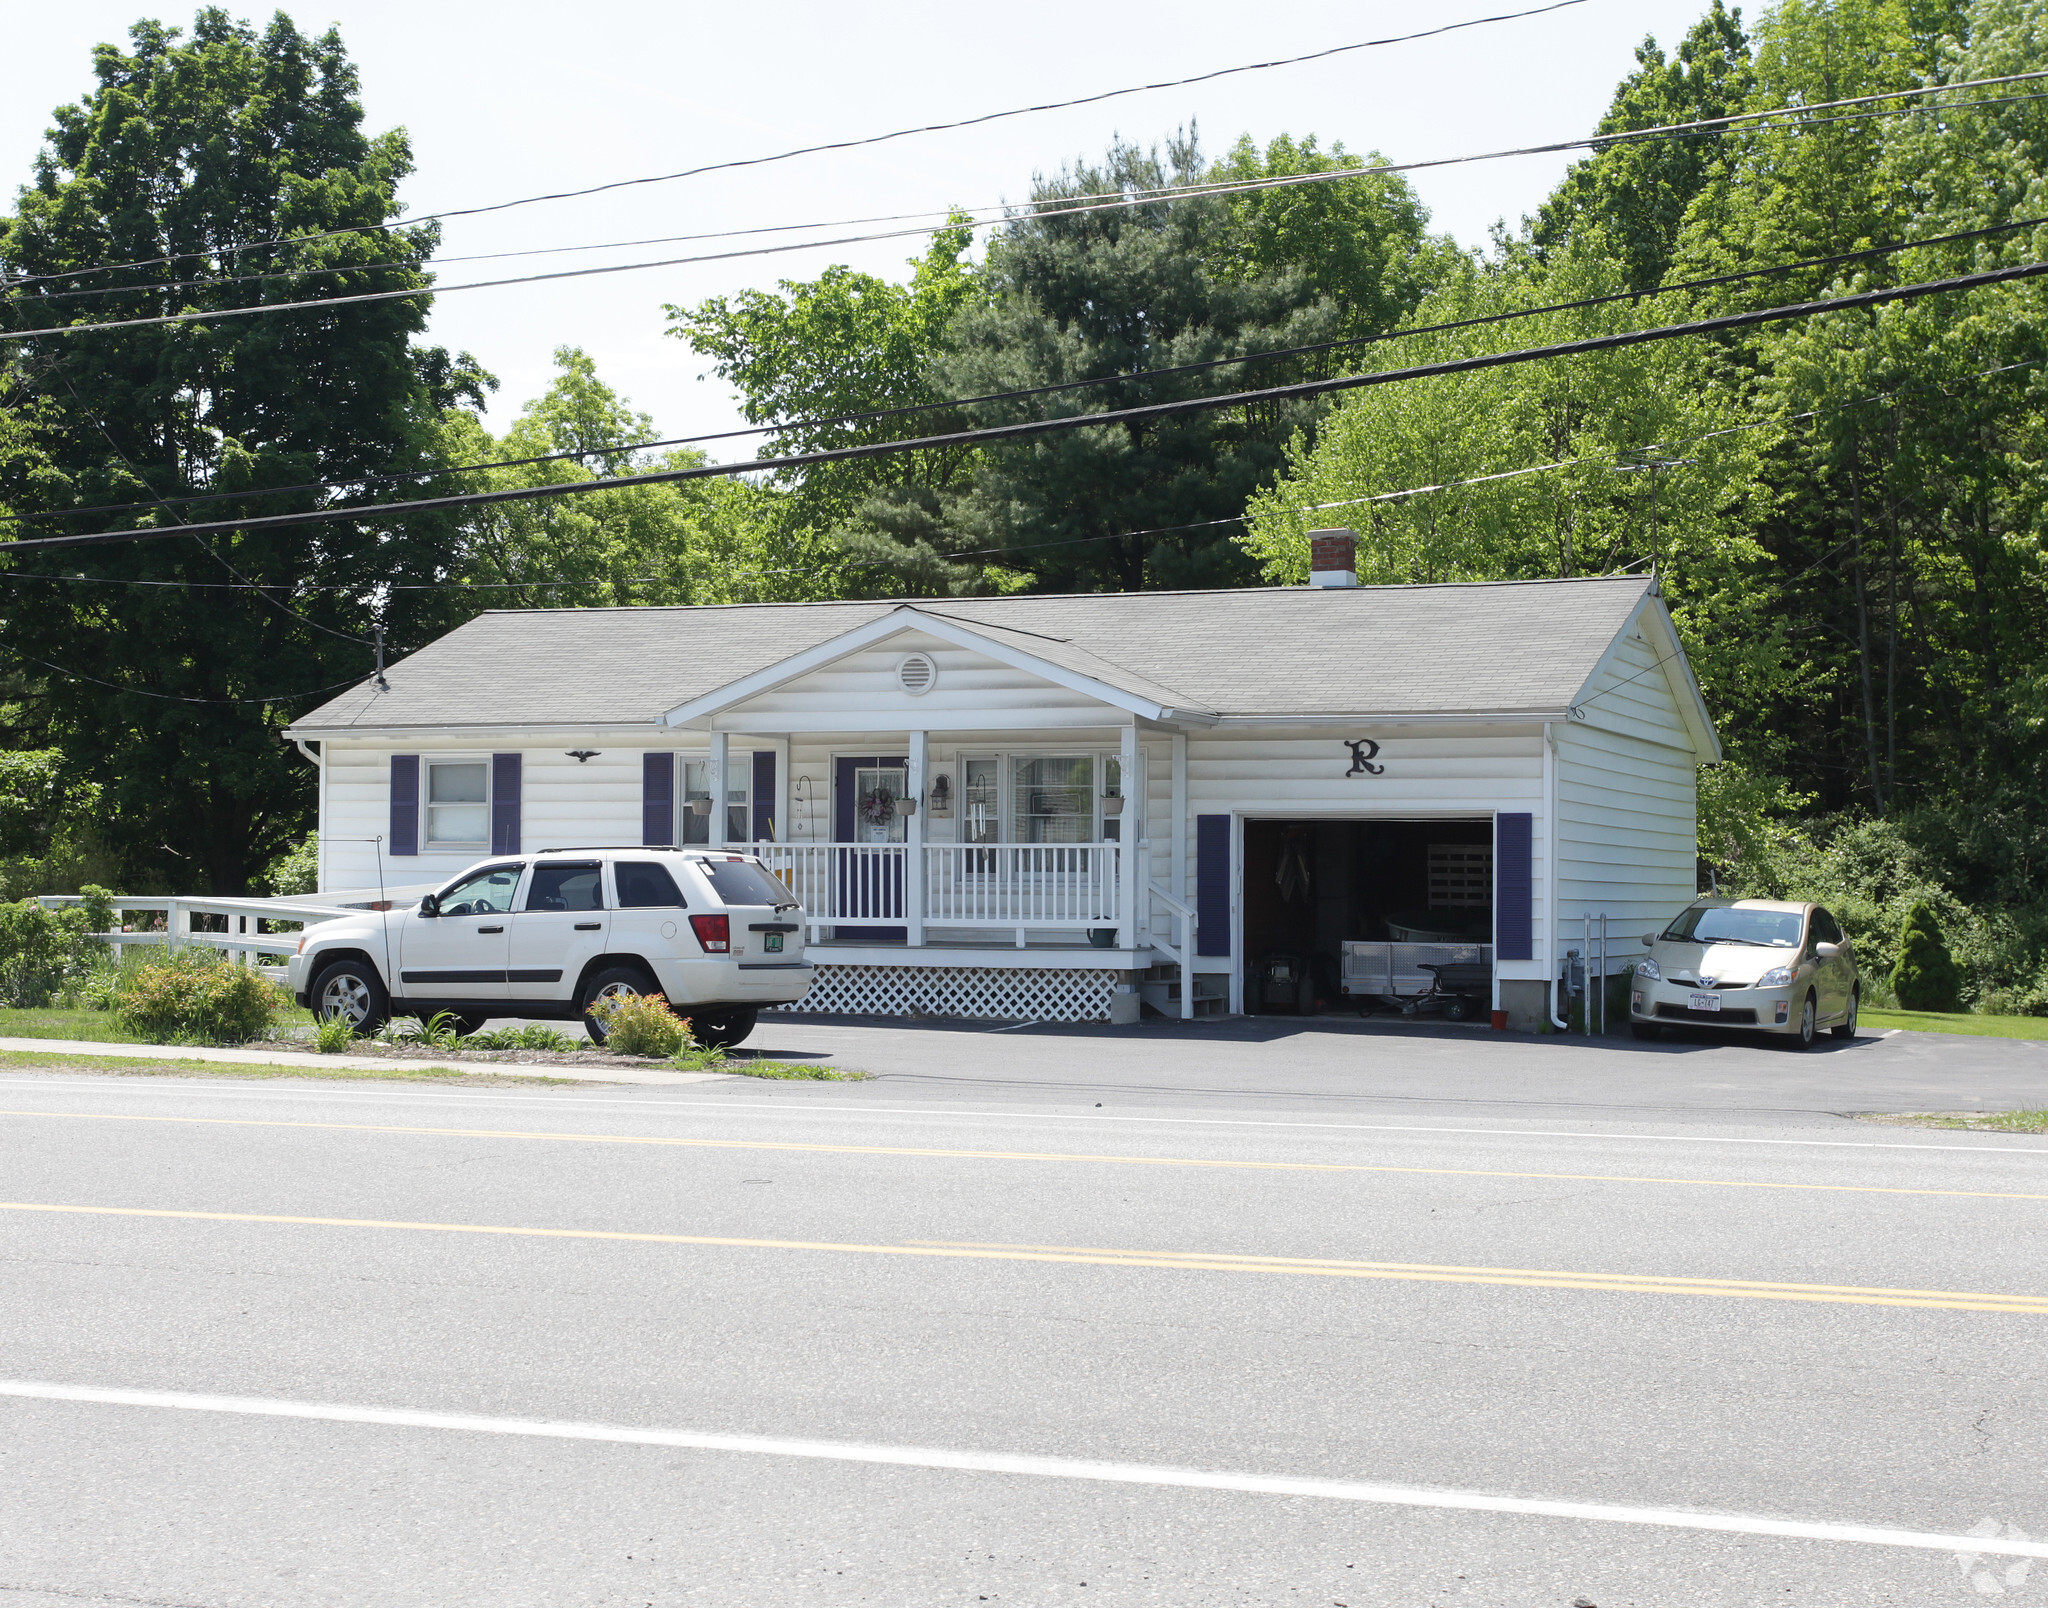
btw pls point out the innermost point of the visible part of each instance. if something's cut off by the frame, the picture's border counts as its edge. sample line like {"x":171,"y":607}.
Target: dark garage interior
{"x":1311,"y":886}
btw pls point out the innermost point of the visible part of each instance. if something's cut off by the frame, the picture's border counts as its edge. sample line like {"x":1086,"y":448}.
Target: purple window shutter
{"x":405,"y":804}
{"x":764,"y":795}
{"x":1514,"y":888}
{"x":1212,"y":884}
{"x":658,"y":801}
{"x":505,"y":803}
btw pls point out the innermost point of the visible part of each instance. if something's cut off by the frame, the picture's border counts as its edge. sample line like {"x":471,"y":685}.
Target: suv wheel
{"x":722,"y":1029}
{"x":608,"y":984}
{"x":353,"y":992}
{"x":1846,"y":1028}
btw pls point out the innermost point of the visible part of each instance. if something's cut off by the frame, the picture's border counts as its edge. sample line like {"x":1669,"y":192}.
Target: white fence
{"x":1015,"y":887}
{"x":247,"y":926}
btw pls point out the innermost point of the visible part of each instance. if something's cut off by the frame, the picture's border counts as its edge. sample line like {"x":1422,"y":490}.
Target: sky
{"x":526,"y":97}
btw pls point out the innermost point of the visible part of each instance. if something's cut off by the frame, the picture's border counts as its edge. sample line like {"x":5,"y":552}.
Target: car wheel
{"x":1809,"y":1014}
{"x":721,"y":1030}
{"x":1846,"y":1028}
{"x":1648,"y":1032}
{"x":607,"y":984}
{"x":352,"y":992}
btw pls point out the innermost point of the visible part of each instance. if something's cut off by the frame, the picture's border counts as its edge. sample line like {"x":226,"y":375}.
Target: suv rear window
{"x":644,"y":885}
{"x":739,"y":882}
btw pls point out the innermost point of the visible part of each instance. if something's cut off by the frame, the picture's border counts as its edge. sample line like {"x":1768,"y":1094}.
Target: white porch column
{"x":915,"y":770}
{"x":1132,"y":766}
{"x":715,"y":771}
{"x":1180,"y":815}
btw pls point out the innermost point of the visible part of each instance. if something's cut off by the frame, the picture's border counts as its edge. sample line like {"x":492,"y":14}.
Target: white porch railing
{"x":1180,"y":917}
{"x":243,"y":937}
{"x":1018,"y":887}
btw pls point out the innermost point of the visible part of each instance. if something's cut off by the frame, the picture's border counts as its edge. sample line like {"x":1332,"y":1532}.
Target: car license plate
{"x":773,"y":943}
{"x":1706,"y":1002}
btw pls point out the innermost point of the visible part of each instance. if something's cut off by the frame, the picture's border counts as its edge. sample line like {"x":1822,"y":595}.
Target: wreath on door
{"x":879,"y":807}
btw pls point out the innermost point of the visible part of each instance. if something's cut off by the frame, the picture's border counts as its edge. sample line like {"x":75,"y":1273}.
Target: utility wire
{"x":167,"y":697}
{"x":1121,"y":535}
{"x":878,"y":139}
{"x":580,"y":453}
{"x":969,"y":217}
{"x":1146,"y":413}
{"x":1037,"y":211}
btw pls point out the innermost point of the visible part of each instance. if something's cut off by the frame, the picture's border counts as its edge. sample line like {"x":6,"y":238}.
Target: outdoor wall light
{"x":941,"y":799}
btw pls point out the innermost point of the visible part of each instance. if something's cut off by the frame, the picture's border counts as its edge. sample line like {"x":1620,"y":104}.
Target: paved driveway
{"x":1332,"y":1064}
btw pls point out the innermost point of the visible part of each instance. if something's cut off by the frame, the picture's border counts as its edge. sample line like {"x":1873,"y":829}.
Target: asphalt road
{"x":1287,"y":1318}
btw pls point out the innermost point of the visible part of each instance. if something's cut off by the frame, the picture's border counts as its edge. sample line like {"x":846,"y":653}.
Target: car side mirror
{"x":430,"y":904}
{"x":1827,"y":951}
{"x":1649,"y":938}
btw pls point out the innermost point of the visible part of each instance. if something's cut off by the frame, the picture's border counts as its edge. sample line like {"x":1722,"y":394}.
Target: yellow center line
{"x":1196,"y":1262}
{"x":1027,"y":1155}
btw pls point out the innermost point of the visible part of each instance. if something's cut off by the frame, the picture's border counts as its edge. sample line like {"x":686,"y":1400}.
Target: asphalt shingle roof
{"x":1488,"y":647}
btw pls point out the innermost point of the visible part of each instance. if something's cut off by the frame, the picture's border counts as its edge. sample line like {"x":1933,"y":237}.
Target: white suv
{"x":546,"y":935}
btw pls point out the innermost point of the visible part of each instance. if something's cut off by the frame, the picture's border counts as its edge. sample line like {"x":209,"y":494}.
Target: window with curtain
{"x":1053,"y":799}
{"x":697,"y":784}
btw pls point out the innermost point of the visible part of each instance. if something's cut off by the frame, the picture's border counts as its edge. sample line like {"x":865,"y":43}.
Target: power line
{"x":1075,"y":541}
{"x":878,"y":139}
{"x":1143,"y":198}
{"x":999,"y":212}
{"x":581,"y":453}
{"x":1036,"y":427}
{"x":167,"y":697}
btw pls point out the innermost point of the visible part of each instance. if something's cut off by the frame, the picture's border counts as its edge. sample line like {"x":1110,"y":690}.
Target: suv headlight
{"x":1650,"y":968}
{"x":1776,"y":977}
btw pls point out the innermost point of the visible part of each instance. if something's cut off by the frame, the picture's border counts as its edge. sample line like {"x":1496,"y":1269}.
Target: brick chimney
{"x":1333,"y":558}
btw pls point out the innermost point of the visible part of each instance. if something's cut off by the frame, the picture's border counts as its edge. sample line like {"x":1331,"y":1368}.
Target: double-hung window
{"x":458,"y":804}
{"x":1049,"y":798}
{"x":739,"y":819}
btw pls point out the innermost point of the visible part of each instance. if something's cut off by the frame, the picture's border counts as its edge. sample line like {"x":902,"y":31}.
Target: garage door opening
{"x":1400,"y":894}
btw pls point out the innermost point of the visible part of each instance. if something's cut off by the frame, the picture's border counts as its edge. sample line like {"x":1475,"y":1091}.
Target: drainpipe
{"x":1550,"y":890}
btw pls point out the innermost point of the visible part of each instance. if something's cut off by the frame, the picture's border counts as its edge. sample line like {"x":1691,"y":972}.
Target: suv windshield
{"x":1717,"y":924}
{"x":739,"y":882}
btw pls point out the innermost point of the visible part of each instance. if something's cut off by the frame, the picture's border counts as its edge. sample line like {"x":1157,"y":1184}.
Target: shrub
{"x":193,"y":996}
{"x":40,"y":948}
{"x":333,"y":1034}
{"x":532,"y":1036}
{"x":640,"y":1024}
{"x":1926,"y":977}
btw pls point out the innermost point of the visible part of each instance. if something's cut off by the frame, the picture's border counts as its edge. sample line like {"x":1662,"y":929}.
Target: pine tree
{"x":1926,"y":977}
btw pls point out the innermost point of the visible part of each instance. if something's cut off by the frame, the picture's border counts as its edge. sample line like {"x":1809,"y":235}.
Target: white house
{"x":1047,"y":807}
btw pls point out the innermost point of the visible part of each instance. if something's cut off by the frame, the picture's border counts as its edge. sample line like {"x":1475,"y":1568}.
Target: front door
{"x":560,"y":927}
{"x":461,"y":953}
{"x":866,"y":797}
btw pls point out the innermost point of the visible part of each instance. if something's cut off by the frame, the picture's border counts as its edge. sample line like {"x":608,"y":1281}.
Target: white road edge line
{"x":691,"y":1107}
{"x":1059,"y":1468}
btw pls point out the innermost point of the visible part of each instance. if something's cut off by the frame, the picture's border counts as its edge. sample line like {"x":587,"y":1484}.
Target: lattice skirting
{"x":1038,"y":995}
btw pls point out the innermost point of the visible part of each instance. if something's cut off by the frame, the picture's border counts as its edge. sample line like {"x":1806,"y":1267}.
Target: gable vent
{"x":916,"y":673}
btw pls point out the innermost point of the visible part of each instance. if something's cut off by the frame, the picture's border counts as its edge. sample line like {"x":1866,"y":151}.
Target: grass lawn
{"x":102,"y":1026}
{"x":2019,"y":1027}
{"x":1976,"y":1121}
{"x":56,"y":1060}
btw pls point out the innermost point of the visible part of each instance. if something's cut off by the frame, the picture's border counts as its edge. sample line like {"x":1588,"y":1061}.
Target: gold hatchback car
{"x":1763,"y":964}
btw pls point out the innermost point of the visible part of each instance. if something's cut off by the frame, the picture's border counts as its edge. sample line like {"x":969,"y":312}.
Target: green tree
{"x":171,"y":667}
{"x":1925,"y":978}
{"x":721,"y":540}
{"x":844,"y":343}
{"x":1630,"y":199}
{"x":1104,"y":293}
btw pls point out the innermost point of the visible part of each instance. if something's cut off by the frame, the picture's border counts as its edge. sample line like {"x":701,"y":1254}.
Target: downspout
{"x":1550,"y":911}
{"x":319,"y":762}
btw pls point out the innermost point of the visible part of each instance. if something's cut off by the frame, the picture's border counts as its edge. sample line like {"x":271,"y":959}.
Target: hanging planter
{"x":1112,"y":804}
